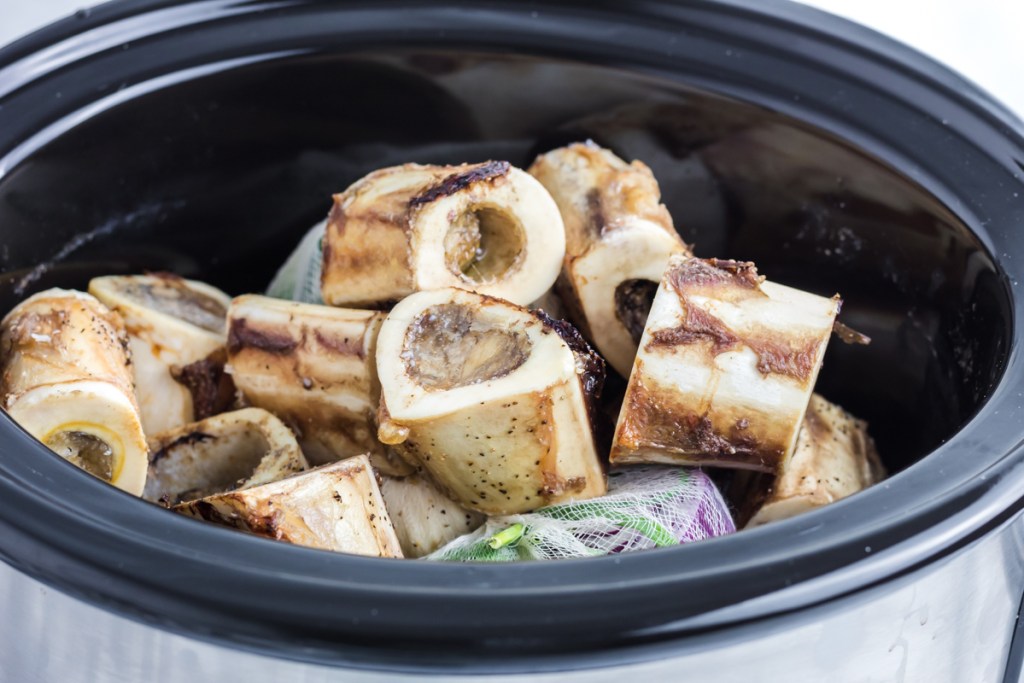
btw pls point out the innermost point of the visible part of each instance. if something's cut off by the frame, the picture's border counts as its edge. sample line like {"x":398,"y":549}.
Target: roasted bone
{"x":487,"y":227}
{"x":230,"y":451}
{"x":335,"y":507}
{"x":490,"y":399}
{"x":312,"y":366}
{"x":834,"y":458}
{"x":424,"y":518}
{"x":725,"y":369}
{"x":618,"y":239}
{"x":67,"y":380}
{"x":171,"y":323}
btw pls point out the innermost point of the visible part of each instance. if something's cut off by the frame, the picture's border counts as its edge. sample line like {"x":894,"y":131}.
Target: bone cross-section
{"x":725,"y":369}
{"x":171,"y":323}
{"x":488,"y":227}
{"x":335,"y":507}
{"x":234,"y":450}
{"x":835,"y":457}
{"x":66,"y":378}
{"x":490,"y":399}
{"x":618,"y":239}
{"x":313,"y":366}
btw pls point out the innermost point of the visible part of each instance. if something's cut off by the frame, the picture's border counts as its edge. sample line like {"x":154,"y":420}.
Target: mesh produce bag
{"x":299,"y":278}
{"x":646,"y":507}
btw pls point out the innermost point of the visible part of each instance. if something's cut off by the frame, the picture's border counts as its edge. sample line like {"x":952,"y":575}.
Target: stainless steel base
{"x":952,"y":620}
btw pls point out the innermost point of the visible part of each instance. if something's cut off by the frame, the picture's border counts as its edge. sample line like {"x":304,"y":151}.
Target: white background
{"x":979,"y":38}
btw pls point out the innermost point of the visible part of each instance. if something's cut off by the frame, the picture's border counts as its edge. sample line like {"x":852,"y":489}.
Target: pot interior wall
{"x":218,"y":178}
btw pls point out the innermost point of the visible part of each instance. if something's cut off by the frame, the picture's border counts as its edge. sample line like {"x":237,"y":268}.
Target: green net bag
{"x":298,"y":279}
{"x":646,"y":507}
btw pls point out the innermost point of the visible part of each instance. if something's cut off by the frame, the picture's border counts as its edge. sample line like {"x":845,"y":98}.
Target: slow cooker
{"x":204,"y":137}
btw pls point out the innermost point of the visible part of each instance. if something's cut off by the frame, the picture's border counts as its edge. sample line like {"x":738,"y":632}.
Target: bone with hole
{"x":619,"y":238}
{"x":171,"y":322}
{"x":488,"y":227}
{"x":490,"y":400}
{"x":66,"y":378}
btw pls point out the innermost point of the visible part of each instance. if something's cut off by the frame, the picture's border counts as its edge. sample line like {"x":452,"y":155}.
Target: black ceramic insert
{"x":206,"y":142}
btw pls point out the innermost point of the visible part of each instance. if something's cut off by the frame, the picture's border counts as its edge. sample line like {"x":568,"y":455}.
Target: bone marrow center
{"x":448,"y":346}
{"x":633,"y":299}
{"x":483,"y":243}
{"x":88,"y":451}
{"x":178,"y":301}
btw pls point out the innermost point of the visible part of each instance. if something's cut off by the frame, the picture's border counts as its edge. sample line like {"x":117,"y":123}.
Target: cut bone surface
{"x":314,"y":367}
{"x":619,"y":238}
{"x":230,"y":451}
{"x":335,"y":507}
{"x":67,"y":380}
{"x":488,"y":227}
{"x":447,"y":347}
{"x":424,"y":518}
{"x":725,"y":369}
{"x":490,"y":400}
{"x":171,"y":323}
{"x":834,"y":458}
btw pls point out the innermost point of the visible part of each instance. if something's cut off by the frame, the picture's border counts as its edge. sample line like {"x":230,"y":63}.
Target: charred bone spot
{"x":211,"y":388}
{"x":184,"y":440}
{"x":459,"y":181}
{"x":654,"y":419}
{"x":241,"y":335}
{"x":589,"y":364}
{"x":695,"y":326}
{"x":697,"y":273}
{"x":446,"y":346}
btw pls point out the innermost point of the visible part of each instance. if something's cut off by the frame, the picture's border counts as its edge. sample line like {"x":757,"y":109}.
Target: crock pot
{"x":204,"y":137}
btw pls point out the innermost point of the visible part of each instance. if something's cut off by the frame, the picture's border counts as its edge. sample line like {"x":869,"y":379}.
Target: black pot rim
{"x":71,"y":531}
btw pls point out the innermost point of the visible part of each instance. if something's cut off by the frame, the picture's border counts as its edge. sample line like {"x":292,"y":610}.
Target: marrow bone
{"x":66,"y":378}
{"x":336,"y":507}
{"x":725,"y":369}
{"x":488,"y":227}
{"x":619,"y":238}
{"x":171,"y":323}
{"x":491,"y":400}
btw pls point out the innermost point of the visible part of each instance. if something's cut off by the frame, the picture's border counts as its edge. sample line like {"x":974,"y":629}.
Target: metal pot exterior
{"x":949,"y":621}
